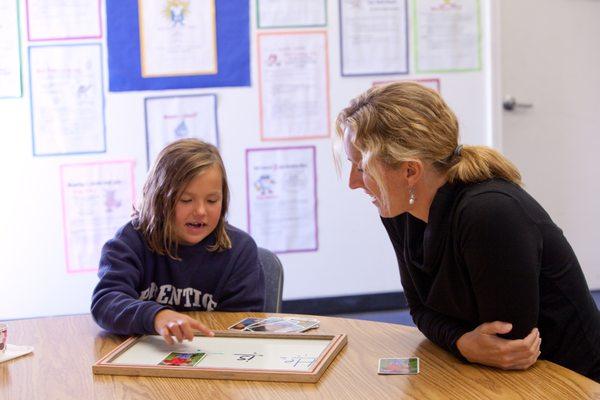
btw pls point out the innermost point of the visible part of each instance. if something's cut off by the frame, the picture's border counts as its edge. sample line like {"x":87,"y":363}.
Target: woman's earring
{"x":411,"y":196}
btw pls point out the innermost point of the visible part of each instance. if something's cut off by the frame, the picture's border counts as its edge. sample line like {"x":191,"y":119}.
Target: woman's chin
{"x":386,"y":213}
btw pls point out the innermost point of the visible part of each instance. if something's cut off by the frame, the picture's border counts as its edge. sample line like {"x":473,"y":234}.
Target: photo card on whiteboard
{"x":281,"y":187}
{"x":169,"y":118}
{"x":256,"y":356}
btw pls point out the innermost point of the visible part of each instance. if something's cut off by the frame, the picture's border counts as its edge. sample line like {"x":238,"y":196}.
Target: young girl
{"x":178,"y":253}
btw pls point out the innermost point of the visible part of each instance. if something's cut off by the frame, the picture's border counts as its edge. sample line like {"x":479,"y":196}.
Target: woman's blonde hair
{"x":174,"y":168}
{"x":404,"y":121}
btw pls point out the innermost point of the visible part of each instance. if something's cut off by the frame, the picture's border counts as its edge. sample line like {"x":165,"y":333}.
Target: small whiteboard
{"x":228,"y":355}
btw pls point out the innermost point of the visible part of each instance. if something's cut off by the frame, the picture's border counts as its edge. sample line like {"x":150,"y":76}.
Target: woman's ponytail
{"x":479,"y":163}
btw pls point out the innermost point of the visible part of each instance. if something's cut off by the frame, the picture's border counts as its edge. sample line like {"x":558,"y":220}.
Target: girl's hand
{"x":168,"y":323}
{"x":482,"y":346}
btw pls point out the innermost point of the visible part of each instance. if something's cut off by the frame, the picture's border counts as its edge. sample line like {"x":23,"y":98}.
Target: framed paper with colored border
{"x":67,"y":99}
{"x":277,"y":14}
{"x":281,"y":187}
{"x":447,"y":35}
{"x":177,"y":38}
{"x":11,"y":81}
{"x":97,"y":199}
{"x":169,"y":118}
{"x":63,"y":20}
{"x":167,"y":67}
{"x":373,"y":37}
{"x":293,"y":85}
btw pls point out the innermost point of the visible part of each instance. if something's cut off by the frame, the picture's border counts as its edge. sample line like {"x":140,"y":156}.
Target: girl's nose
{"x":200,"y":209}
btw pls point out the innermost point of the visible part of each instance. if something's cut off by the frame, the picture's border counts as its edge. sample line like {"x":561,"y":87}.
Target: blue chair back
{"x":273,"y":271}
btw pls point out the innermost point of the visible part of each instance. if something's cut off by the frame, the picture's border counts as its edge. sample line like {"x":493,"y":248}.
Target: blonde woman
{"x":485,"y":271}
{"x":178,"y":253}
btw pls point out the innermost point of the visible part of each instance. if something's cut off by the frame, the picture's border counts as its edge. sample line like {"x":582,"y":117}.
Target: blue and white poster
{"x":67,"y":99}
{"x":169,"y":118}
{"x":174,"y":44}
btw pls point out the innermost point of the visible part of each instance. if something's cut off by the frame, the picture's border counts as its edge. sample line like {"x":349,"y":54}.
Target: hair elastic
{"x":457,"y":150}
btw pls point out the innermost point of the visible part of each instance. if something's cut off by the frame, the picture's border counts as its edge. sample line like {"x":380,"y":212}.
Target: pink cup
{"x":3,"y":337}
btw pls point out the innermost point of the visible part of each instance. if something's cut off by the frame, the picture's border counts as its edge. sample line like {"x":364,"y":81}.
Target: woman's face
{"x":392,"y":180}
{"x":198,"y":209}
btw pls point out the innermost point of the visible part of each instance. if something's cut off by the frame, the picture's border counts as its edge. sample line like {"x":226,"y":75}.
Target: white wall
{"x":354,"y":257}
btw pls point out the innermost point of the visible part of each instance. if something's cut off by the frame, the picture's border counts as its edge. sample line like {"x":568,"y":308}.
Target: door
{"x":550,"y":58}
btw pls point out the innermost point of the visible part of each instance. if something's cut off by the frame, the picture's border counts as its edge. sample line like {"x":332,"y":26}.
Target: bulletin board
{"x":84,"y":133}
{"x":227,"y":355}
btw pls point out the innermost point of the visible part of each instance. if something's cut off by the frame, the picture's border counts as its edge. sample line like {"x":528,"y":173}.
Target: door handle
{"x":510,"y":103}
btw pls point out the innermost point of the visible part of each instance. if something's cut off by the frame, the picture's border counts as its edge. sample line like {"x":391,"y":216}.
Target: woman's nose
{"x":355,"y":181}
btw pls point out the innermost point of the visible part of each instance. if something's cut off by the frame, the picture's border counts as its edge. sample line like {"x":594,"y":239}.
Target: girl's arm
{"x":116,"y":306}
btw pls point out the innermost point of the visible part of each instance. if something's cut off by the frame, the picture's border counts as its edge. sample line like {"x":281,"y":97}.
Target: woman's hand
{"x":482,"y":346}
{"x":168,"y":323}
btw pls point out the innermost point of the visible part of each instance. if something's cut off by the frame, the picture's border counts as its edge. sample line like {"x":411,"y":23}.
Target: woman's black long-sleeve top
{"x":489,"y":252}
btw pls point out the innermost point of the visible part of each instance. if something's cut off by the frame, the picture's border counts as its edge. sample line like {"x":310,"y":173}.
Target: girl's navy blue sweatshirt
{"x":136,"y":282}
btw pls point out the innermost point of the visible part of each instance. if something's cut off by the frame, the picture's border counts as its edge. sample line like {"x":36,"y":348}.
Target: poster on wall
{"x":177,"y":39}
{"x":174,"y":44}
{"x":97,"y":200}
{"x":67,"y":100}
{"x":373,"y":37}
{"x":63,"y":20}
{"x":170,"y":118}
{"x":291,"y":13}
{"x":431,"y":83}
{"x":447,"y":35}
{"x":282,"y":198}
{"x":10,"y":50}
{"x":293,"y":85}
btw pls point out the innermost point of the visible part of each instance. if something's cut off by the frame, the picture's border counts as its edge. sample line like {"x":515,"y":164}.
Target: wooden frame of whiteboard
{"x":337,"y":342}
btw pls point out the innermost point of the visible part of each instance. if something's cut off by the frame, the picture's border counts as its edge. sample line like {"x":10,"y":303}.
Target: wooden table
{"x":66,"y":348}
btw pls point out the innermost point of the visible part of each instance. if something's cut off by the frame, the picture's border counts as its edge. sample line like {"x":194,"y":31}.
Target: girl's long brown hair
{"x":174,"y":168}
